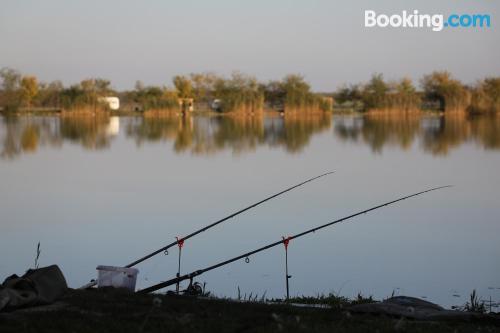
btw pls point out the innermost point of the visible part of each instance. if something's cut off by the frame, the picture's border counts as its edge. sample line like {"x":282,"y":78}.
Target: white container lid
{"x":128,"y":270}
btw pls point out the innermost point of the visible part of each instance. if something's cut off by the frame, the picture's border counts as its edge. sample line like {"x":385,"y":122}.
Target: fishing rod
{"x":180,"y":240}
{"x":190,"y":276}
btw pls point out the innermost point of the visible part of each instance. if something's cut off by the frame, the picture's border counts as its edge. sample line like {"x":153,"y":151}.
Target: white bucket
{"x":118,"y":277}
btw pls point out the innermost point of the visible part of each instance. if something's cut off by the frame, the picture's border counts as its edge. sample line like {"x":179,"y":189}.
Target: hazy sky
{"x":324,"y":40}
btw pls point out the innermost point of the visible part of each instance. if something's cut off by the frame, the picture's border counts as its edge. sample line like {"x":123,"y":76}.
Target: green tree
{"x":96,"y":87}
{"x":103,"y":87}
{"x":203,"y":86}
{"x":183,"y":86}
{"x":274,"y":94}
{"x":297,"y":90}
{"x":10,"y":95}
{"x":89,"y":91}
{"x":49,"y":95}
{"x":351,"y":93}
{"x":374,"y":92}
{"x":240,"y":93}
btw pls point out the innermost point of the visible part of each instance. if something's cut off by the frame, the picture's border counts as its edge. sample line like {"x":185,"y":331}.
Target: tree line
{"x":240,"y":92}
{"x":439,"y":91}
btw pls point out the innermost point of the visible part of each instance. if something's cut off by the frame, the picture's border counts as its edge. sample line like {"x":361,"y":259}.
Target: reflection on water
{"x":202,"y":135}
{"x":296,"y":130}
{"x":437,"y":134}
{"x":380,"y":130}
{"x":206,"y":135}
{"x":90,"y":132}
{"x":25,"y":134}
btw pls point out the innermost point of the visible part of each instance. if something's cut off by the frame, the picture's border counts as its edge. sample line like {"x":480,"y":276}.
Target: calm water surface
{"x":107,"y":190}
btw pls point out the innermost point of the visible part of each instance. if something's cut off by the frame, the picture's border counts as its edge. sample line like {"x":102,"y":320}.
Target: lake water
{"x":107,"y":190}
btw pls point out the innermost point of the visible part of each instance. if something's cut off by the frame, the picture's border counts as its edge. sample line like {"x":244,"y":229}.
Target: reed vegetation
{"x":240,"y":93}
{"x":450,"y":93}
{"x":379,"y":95}
{"x":486,"y":96}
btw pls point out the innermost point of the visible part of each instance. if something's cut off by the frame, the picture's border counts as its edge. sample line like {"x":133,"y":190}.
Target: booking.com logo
{"x":436,"y":22}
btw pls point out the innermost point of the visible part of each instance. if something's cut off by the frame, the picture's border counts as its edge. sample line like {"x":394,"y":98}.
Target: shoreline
{"x":116,"y":310}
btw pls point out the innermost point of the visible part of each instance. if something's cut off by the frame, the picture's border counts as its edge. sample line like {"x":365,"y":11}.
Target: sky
{"x":324,"y":40}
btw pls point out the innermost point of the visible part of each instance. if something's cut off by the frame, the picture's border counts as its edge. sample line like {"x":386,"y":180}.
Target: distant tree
{"x":153,"y":97}
{"x":29,"y":89}
{"x":96,"y":87}
{"x":350,"y":93}
{"x":296,"y":89}
{"x":491,"y":87}
{"x":87,"y":85}
{"x":486,"y":96}
{"x":87,"y":93}
{"x":239,"y":93}
{"x":203,"y":86}
{"x":343,"y":95}
{"x":403,"y":96}
{"x":103,"y":86}
{"x":294,"y":93}
{"x":10,"y":95}
{"x":441,"y":87}
{"x":183,"y":86}
{"x":274,"y":93}
{"x":374,"y":92}
{"x":11,"y":79}
{"x":88,"y":90}
{"x":49,"y":95}
{"x":74,"y":96}
{"x":405,"y":86}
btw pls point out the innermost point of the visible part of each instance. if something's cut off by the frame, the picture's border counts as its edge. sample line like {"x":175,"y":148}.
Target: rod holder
{"x":180,"y":244}
{"x":286,"y":241}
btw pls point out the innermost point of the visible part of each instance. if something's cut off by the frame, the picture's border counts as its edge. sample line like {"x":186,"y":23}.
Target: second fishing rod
{"x":284,"y":241}
{"x":180,"y":241}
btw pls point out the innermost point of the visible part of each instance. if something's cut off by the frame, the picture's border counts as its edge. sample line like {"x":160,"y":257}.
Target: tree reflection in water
{"x":27,"y":133}
{"x":92,"y":132}
{"x":436,"y":134}
{"x":239,"y":133}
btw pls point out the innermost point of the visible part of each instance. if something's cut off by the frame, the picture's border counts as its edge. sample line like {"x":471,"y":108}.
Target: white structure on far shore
{"x":112,"y":102}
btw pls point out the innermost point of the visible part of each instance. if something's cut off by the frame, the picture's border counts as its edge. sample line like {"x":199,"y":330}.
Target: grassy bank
{"x":109,"y":310}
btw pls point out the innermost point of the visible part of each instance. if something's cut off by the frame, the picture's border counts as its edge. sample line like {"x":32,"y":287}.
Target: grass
{"x":473,"y":305}
{"x":37,"y":257}
{"x":332,"y":300}
{"x":112,"y":310}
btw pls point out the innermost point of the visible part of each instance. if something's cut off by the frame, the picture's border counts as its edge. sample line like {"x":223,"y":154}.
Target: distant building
{"x":112,"y":102}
